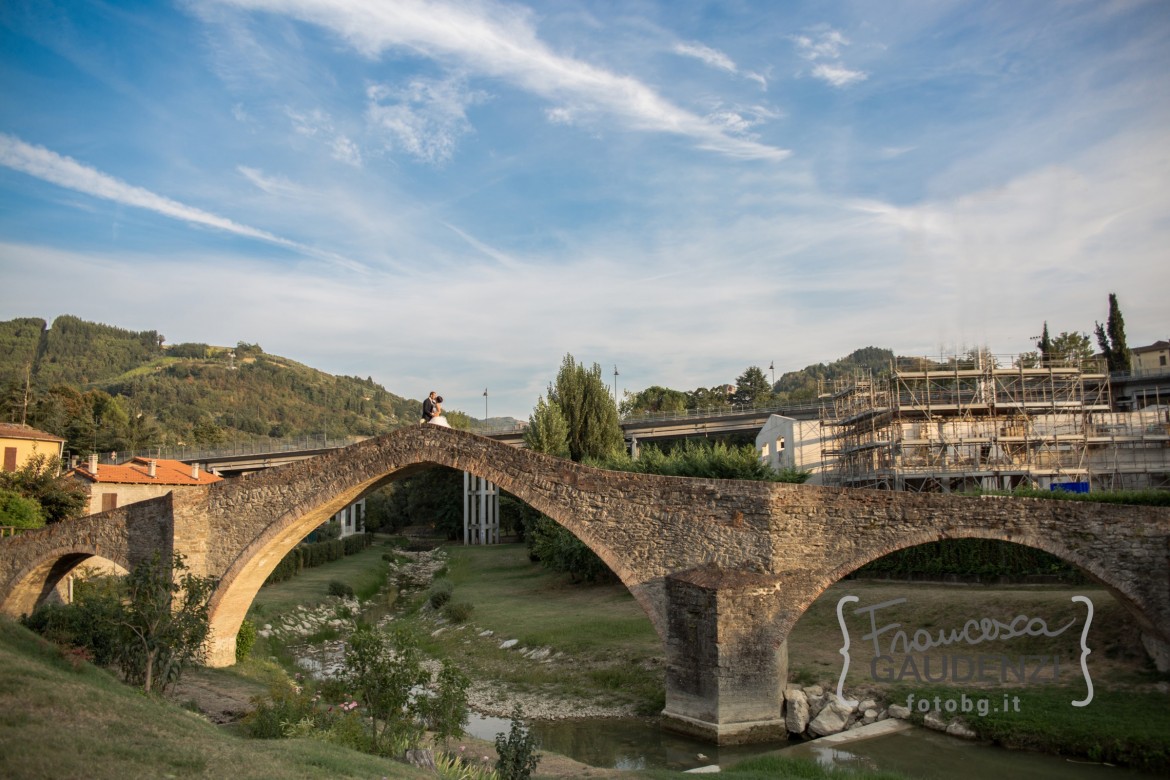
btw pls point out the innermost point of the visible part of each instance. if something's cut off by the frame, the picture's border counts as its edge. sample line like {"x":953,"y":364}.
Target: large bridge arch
{"x":336,"y":479}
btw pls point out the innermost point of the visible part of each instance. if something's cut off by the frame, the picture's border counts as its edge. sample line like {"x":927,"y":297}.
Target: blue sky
{"x":453,"y":195}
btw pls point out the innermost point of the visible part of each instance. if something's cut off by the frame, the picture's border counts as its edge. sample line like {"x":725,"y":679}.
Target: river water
{"x":921,"y":754}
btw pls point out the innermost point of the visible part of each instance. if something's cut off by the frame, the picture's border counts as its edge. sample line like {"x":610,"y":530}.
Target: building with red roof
{"x":113,"y":485}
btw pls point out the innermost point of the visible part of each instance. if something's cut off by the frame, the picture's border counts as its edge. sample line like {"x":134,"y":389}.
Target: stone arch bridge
{"x":723,"y":568}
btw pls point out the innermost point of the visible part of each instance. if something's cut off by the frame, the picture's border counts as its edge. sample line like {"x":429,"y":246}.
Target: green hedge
{"x":306,"y":556}
{"x":982,"y":558}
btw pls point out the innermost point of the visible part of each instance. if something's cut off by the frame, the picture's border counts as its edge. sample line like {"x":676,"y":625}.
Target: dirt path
{"x":221,"y":698}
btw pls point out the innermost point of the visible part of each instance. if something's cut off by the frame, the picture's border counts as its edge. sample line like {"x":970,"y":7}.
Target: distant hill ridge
{"x":106,"y":388}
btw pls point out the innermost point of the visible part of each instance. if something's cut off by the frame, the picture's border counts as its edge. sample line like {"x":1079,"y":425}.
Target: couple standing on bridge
{"x":432,"y":411}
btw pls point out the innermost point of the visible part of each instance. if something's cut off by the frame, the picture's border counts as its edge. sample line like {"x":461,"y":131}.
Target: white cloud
{"x":66,"y":172}
{"x":425,"y":118}
{"x":498,"y":41}
{"x":318,"y":124}
{"x":824,"y":51}
{"x":713,"y":57}
{"x":716,"y":59}
{"x":837,"y":75}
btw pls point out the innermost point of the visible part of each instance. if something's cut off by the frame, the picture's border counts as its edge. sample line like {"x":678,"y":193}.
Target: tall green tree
{"x":547,"y":430}
{"x":1111,"y":338}
{"x":589,"y":410}
{"x":1044,"y":345}
{"x":752,"y":388}
{"x":708,"y":397}
{"x":655,"y":399}
{"x":1072,"y":348}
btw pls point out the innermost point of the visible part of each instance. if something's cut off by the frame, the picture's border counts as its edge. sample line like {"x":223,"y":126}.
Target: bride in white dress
{"x":439,"y":418}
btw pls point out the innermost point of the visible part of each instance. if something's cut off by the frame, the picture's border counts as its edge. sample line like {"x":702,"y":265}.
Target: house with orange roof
{"x":18,"y":443}
{"x":110,"y":485}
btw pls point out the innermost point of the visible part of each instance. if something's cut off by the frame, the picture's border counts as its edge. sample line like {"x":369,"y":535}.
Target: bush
{"x":91,"y":621}
{"x":341,"y":589}
{"x":440,"y":592}
{"x":18,"y":511}
{"x":517,"y":752}
{"x":559,"y":550}
{"x":152,"y":623}
{"x":458,"y":611}
{"x":245,"y":640}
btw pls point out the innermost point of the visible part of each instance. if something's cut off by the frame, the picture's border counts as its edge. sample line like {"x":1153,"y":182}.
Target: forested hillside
{"x":803,"y":385}
{"x":108,"y":389}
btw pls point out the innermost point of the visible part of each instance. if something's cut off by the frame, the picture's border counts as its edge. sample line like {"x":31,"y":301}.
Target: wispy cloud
{"x":426,"y":117}
{"x":318,"y":124}
{"x":716,"y":59}
{"x":499,"y":41}
{"x":824,"y":51}
{"x":66,"y":172}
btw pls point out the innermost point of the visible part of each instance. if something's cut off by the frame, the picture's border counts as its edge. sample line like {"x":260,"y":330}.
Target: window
{"x":109,"y":501}
{"x":1161,"y":360}
{"x":10,"y":458}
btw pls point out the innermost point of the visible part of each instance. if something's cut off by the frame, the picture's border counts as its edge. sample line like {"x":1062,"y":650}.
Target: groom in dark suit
{"x":428,"y":410}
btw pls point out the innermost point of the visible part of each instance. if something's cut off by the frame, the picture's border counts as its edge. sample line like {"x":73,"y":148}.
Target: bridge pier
{"x":726,"y":667}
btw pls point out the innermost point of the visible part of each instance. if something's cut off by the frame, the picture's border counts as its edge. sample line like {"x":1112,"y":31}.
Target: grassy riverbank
{"x":63,"y":719}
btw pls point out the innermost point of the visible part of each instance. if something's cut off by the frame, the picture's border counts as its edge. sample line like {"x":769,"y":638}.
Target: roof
{"x":18,"y":431}
{"x":1157,"y":346}
{"x":137,"y":472}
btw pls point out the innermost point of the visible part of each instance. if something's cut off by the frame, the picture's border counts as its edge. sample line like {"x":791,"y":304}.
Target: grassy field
{"x":61,"y":720}
{"x":365,"y":572}
{"x":609,"y":651}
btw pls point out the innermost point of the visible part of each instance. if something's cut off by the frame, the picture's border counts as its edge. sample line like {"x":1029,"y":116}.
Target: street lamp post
{"x":615,"y":376}
{"x":772,"y":368}
{"x":485,"y":405}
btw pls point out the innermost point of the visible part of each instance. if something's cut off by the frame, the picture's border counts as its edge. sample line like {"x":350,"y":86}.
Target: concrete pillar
{"x":726,"y":665}
{"x":481,"y":510}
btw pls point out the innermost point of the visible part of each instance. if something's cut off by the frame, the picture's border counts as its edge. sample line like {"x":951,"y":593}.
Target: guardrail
{"x":325,"y":442}
{"x":271,"y":446}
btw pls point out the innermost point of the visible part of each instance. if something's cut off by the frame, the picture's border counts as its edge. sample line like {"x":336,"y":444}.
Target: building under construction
{"x":992,"y":423}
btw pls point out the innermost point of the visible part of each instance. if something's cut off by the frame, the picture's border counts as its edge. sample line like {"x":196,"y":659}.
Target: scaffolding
{"x":989,"y":422}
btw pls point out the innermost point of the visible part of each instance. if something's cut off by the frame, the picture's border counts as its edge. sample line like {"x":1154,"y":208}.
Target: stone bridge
{"x":723,"y":568}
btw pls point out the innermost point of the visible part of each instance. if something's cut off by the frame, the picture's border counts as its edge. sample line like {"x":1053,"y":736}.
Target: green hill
{"x":108,"y":389}
{"x":803,"y":385}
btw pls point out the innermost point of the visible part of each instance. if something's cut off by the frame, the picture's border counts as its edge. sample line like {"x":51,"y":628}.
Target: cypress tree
{"x":1111,"y":338}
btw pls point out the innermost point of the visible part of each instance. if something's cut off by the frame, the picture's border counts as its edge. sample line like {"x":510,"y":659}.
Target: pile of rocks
{"x":335,"y":613}
{"x":419,"y":570}
{"x":812,"y":711}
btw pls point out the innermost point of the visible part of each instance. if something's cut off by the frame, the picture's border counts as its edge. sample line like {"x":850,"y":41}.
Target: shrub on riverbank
{"x":980,"y":560}
{"x":306,"y":556}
